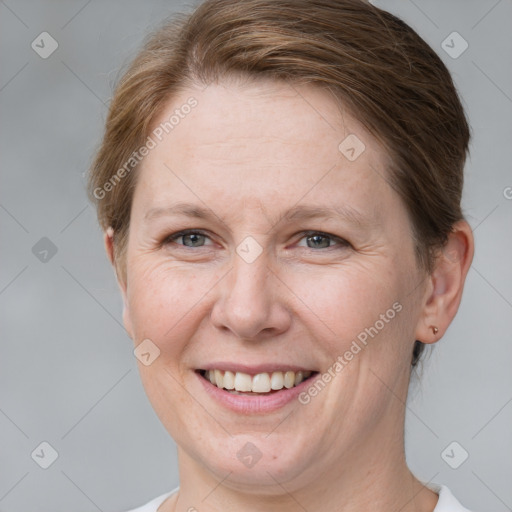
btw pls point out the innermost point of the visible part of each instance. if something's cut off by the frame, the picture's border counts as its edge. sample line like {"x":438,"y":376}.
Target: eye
{"x":189,"y":237}
{"x":320,"y":240}
{"x":315,"y":239}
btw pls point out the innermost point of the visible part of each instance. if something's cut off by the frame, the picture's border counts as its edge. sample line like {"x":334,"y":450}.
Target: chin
{"x":255,"y":461}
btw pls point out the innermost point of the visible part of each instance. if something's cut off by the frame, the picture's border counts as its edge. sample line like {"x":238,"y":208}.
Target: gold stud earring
{"x":435,"y":329}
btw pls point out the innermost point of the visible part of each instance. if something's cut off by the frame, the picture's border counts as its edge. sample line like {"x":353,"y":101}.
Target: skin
{"x":250,"y":152}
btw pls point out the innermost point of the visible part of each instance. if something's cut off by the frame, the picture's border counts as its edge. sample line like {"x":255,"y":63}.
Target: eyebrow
{"x":297,"y":213}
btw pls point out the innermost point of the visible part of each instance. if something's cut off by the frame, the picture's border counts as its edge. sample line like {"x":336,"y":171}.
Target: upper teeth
{"x":260,"y":383}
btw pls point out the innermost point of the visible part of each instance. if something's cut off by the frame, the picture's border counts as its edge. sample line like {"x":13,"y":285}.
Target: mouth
{"x":265,"y":383}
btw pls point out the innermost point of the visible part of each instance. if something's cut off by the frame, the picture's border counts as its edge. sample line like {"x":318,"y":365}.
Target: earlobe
{"x":127,"y":322}
{"x":108,"y":239}
{"x":444,"y":294}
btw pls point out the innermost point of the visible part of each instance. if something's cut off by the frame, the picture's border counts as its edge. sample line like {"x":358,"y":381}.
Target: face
{"x":259,"y":245}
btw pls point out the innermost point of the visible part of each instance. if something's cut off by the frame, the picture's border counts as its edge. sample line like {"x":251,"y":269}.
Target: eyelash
{"x":342,"y":243}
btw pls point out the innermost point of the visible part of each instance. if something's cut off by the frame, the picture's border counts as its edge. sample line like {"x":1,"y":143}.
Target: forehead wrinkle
{"x":296,"y":213}
{"x":305,"y":212}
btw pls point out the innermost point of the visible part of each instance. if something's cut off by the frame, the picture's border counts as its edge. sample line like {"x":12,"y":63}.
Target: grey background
{"x":67,"y":371}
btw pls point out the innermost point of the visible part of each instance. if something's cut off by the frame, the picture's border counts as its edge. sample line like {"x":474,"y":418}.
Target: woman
{"x":279,"y":184}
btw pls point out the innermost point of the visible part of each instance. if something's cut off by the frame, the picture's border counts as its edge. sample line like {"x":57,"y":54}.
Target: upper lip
{"x":254,"y":369}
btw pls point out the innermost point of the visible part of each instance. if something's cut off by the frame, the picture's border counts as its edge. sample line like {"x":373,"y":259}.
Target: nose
{"x":250,"y":301}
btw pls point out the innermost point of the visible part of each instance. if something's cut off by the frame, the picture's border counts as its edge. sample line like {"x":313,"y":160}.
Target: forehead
{"x":262,"y":143}
{"x":235,"y":114}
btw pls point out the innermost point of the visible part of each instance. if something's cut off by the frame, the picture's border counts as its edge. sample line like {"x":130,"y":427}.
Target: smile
{"x":261,"y":383}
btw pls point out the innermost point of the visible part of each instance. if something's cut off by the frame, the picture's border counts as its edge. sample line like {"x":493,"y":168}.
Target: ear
{"x":108,"y":239}
{"x":445,"y":284}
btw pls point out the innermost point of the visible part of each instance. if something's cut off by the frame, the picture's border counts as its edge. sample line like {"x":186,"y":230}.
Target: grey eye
{"x":189,"y":238}
{"x":318,"y":240}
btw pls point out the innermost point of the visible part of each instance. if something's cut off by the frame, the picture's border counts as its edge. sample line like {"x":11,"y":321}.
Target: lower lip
{"x":255,"y":404}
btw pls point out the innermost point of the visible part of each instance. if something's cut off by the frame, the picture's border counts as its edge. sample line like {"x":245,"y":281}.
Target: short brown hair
{"x":378,"y":66}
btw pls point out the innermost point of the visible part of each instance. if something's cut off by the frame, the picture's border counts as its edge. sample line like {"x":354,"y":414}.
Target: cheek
{"x":164,"y":300}
{"x":168,"y":301}
{"x":342,"y":302}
